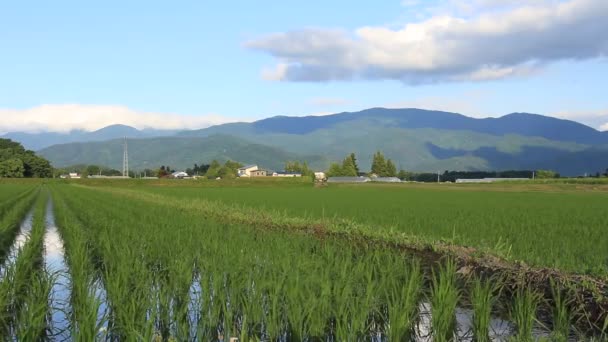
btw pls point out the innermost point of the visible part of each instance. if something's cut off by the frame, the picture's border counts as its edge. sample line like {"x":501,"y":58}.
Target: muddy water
{"x":54,"y":261}
{"x":23,"y":236}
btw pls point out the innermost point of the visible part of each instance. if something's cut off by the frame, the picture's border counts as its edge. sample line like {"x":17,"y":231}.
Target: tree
{"x":213,"y":169}
{"x":390,"y":170}
{"x":11,"y":168}
{"x":296,"y":167}
{"x":335,"y":170}
{"x":348,"y":167}
{"x":379,"y":164}
{"x":93,"y":170}
{"x":29,"y":165}
{"x":405,"y":175}
{"x":543,"y":174}
{"x":354,"y":162}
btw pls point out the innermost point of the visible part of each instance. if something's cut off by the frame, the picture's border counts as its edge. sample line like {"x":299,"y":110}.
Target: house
{"x":286,"y":174}
{"x":180,"y":175}
{"x":246,"y":170}
{"x":74,"y":175}
{"x":258,"y":173}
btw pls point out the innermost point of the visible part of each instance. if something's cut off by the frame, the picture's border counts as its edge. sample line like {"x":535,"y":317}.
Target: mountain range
{"x":417,"y":140}
{"x":40,"y":140}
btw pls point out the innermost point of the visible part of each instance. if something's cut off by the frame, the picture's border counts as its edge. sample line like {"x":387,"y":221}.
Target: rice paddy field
{"x":212,"y":261}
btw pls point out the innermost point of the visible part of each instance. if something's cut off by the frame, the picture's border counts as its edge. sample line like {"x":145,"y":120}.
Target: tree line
{"x":17,"y":162}
{"x":381,"y":167}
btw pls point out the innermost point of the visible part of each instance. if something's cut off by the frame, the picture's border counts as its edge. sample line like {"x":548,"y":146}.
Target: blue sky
{"x":188,"y":64}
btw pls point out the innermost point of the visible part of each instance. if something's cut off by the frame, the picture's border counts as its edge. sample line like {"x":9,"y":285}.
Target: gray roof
{"x":247,"y":167}
{"x":489,"y":180}
{"x":386,"y":179}
{"x":348,"y":180}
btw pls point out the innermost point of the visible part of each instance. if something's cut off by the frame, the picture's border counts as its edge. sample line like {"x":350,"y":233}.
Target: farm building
{"x":348,"y":180}
{"x":246,"y":170}
{"x":386,"y":180}
{"x":489,"y":180}
{"x":74,"y":175}
{"x":258,"y":173}
{"x":286,"y":174}
{"x":179,"y":175}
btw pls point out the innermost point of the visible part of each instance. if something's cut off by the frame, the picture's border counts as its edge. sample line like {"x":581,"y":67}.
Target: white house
{"x":179,"y":174}
{"x":74,"y":175}
{"x":246,"y":170}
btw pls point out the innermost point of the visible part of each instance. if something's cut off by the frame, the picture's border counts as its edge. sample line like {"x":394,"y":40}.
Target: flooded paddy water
{"x":23,"y":235}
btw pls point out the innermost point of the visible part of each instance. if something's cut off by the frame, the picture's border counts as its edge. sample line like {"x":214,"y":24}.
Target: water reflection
{"x":25,"y":228}
{"x":55,"y":265}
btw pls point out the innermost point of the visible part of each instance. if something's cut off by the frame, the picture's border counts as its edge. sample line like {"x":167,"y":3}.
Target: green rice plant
{"x":445,"y":295}
{"x":403,"y":295}
{"x":278,"y":282}
{"x":562,"y":316}
{"x":523,"y":312}
{"x":10,"y":220}
{"x":34,"y":315}
{"x":6,"y":297}
{"x":484,"y":295}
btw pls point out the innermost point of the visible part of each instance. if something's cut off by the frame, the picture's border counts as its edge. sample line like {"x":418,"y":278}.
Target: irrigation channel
{"x":153,"y":276}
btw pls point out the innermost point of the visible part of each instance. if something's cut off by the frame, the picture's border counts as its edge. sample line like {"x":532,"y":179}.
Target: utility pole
{"x":438,"y":177}
{"x":125,"y":159}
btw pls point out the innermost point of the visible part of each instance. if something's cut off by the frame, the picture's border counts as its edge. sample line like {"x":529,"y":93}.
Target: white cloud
{"x":597,"y":118}
{"x":66,"y":117}
{"x":515,"y":40}
{"x":409,"y":3}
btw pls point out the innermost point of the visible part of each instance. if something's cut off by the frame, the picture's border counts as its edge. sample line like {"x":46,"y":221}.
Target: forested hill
{"x":415,"y":139}
{"x":17,"y":162}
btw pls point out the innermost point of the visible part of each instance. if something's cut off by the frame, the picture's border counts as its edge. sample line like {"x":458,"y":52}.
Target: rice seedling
{"x":562,"y":316}
{"x":484,"y":295}
{"x":403,"y":295}
{"x":34,"y":317}
{"x":523,"y":313}
{"x":445,"y":295}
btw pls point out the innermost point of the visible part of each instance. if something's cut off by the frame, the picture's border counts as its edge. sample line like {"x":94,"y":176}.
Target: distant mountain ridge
{"x":417,"y":140}
{"x":177,"y":152}
{"x":38,"y":141}
{"x":525,"y":124}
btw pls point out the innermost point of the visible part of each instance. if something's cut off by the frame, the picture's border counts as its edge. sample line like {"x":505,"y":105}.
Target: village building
{"x":258,"y":173}
{"x":246,"y":170}
{"x":180,"y":175}
{"x":286,"y":174}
